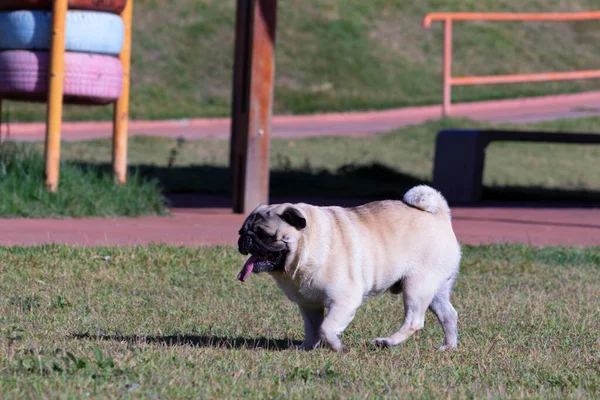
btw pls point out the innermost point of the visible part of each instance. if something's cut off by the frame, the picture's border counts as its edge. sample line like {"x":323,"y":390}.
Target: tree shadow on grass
{"x":198,"y":341}
{"x":363,"y":182}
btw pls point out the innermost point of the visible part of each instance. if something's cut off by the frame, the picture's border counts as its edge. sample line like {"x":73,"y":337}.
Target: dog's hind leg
{"x":446,"y":314}
{"x":416,"y":301}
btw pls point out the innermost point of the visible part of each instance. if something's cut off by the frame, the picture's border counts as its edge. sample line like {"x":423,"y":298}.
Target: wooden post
{"x":55,"y":94}
{"x":254,"y":73}
{"x":447,"y":68}
{"x":121,"y":108}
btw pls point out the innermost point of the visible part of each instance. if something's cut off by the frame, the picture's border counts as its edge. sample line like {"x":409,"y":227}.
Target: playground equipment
{"x":449,"y":80}
{"x":78,"y":53}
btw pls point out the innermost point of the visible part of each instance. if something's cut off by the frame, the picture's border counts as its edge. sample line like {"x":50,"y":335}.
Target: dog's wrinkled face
{"x":269,"y":235}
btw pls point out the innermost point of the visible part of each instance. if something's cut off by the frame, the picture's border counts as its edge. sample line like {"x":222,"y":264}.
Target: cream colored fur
{"x":346,"y":255}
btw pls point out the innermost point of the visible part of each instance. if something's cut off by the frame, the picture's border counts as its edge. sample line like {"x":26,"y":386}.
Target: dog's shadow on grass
{"x":198,"y":341}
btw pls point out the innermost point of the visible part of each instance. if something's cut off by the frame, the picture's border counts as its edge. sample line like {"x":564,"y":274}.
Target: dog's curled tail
{"x":427,"y":199}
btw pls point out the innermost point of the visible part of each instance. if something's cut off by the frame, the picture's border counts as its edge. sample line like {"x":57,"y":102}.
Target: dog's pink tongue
{"x":246,"y":269}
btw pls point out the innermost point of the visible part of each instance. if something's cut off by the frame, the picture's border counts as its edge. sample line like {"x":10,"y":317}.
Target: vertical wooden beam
{"x":55,"y":94}
{"x":447,"y":68}
{"x":121,"y":108}
{"x":252,"y":108}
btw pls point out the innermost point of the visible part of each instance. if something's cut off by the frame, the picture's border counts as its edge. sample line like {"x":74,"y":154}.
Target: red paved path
{"x":217,"y":225}
{"x":213,"y":223}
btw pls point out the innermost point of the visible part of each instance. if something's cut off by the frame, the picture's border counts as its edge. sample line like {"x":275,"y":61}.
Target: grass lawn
{"x":342,"y":55}
{"x":163,"y":322}
{"x":84,"y":190}
{"x":382,"y":166}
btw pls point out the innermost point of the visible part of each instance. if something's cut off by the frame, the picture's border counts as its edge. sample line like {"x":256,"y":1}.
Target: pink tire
{"x":89,"y":78}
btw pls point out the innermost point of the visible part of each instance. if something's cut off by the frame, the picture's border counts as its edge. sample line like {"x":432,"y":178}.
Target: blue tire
{"x":86,"y":31}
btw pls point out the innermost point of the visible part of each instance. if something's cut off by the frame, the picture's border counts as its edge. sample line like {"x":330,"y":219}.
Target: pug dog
{"x":336,"y":258}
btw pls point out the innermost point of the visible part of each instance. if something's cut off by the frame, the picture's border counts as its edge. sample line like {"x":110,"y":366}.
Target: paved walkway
{"x":579,"y":227}
{"x":216,"y":224}
{"x":208,"y":220}
{"x":336,"y":124}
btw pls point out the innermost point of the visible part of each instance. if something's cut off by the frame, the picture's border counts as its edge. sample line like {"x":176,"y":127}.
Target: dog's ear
{"x":294,"y":217}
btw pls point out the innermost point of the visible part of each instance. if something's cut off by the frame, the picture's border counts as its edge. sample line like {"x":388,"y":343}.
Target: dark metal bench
{"x":460,"y":156}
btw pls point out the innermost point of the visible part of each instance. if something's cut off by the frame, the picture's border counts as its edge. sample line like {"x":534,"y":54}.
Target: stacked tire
{"x":94,"y":36}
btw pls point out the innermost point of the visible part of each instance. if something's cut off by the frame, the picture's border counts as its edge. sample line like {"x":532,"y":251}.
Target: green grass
{"x":84,"y":191}
{"x":335,"y":55}
{"x":381,"y":166}
{"x":163,"y":322}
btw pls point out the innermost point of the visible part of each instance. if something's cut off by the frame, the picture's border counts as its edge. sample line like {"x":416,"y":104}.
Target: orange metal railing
{"x":449,"y":80}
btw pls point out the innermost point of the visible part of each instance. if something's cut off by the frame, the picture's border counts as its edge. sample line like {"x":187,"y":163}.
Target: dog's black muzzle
{"x":268,"y":258}
{"x":247,"y":244}
{"x":244,"y":243}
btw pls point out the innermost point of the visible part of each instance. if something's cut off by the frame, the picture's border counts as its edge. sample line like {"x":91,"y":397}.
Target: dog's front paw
{"x":336,"y":345}
{"x":307,"y":346}
{"x":447,"y":347}
{"x":339,"y":349}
